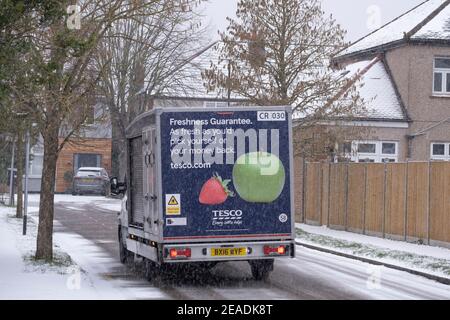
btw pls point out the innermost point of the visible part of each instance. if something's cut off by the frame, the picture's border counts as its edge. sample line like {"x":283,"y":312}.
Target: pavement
{"x":430,"y":276}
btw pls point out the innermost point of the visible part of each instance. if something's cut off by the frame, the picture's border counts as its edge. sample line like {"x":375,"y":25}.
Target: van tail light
{"x":177,"y":253}
{"x":275,"y":250}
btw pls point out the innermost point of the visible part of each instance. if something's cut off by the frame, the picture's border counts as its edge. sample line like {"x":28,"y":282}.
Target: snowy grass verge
{"x":62,"y":262}
{"x":23,"y":277}
{"x":417,"y":257}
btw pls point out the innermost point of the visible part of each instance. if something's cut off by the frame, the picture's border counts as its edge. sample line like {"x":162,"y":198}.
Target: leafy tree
{"x":15,"y":18}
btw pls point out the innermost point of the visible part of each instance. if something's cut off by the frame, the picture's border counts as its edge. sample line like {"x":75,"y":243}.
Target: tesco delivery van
{"x":208,"y":185}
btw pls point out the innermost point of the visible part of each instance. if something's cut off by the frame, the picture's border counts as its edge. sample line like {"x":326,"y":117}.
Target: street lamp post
{"x":27,"y":165}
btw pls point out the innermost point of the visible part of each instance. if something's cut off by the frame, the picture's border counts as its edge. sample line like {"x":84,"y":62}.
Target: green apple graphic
{"x":259,"y":177}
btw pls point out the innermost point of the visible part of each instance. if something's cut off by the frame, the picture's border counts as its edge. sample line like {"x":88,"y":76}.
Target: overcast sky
{"x":358,"y":17}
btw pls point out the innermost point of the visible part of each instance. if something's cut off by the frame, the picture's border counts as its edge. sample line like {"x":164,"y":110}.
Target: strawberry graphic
{"x":215,"y":191}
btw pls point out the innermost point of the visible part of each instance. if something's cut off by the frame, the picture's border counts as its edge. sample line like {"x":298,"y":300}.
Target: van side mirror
{"x":117,"y":187}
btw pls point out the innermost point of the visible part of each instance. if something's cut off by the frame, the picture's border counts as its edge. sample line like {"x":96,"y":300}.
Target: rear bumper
{"x":204,"y":251}
{"x":89,"y":188}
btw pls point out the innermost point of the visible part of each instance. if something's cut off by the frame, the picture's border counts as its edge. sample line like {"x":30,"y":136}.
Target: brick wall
{"x":66,"y":158}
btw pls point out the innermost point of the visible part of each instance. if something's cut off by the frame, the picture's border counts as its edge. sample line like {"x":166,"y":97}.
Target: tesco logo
{"x":227,"y":213}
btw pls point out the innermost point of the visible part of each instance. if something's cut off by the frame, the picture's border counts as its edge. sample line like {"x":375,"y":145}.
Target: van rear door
{"x":150,"y":183}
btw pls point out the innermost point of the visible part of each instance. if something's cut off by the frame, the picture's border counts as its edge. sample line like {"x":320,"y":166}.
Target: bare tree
{"x":57,"y":87}
{"x":140,"y":58}
{"x":279,"y":53}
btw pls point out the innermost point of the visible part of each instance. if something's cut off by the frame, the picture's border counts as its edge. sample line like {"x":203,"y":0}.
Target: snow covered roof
{"x":430,"y":20}
{"x":374,"y":86}
{"x":438,"y":28}
{"x":377,"y":91}
{"x":191,"y":84}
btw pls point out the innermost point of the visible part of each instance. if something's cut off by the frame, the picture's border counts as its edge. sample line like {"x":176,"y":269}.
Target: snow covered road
{"x":311,"y":275}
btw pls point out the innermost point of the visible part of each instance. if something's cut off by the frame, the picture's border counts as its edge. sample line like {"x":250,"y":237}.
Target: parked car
{"x":89,"y":180}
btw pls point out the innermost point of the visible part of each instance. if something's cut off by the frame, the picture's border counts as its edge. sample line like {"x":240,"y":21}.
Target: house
{"x":191,"y":90}
{"x":405,"y":70}
{"x":90,"y":148}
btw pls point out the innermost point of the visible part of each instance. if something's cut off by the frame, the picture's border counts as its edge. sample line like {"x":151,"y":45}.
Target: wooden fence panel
{"x":299,"y":188}
{"x":395,"y":200}
{"x":417,"y":202}
{"x":337,"y":196}
{"x":440,"y":202}
{"x":374,"y":213}
{"x":313,"y":193}
{"x":325,"y":167}
{"x":356,"y":197}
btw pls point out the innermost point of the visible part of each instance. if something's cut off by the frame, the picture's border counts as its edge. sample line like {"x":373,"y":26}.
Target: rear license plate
{"x":228,"y":252}
{"x":87,"y":180}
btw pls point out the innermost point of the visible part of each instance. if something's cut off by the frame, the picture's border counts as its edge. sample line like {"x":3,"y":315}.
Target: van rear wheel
{"x":261,"y":269}
{"x":151,"y":269}
{"x":125,"y":256}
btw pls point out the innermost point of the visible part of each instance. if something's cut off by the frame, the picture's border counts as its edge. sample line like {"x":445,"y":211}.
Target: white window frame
{"x":445,"y":73}
{"x":217,"y":104}
{"x":445,"y":157}
{"x":378,"y":156}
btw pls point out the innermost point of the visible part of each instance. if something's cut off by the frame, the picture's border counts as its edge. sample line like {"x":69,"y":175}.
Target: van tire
{"x":125,"y":256}
{"x":261,"y":269}
{"x":206,"y":265}
{"x":151,"y":270}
